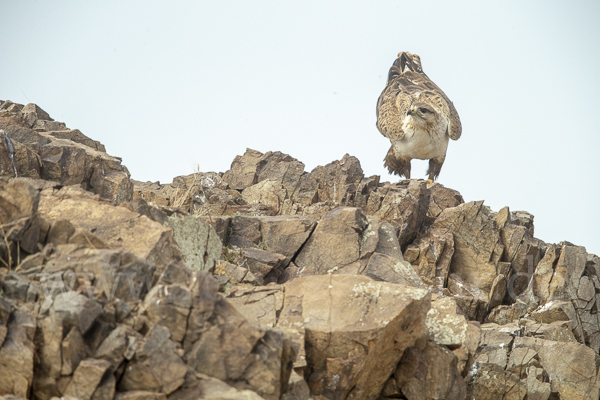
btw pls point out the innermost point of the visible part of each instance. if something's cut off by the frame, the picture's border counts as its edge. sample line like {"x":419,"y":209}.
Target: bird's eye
{"x":424,"y":110}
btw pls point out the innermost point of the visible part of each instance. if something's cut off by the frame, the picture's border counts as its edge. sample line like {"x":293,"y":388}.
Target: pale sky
{"x":171,"y":85}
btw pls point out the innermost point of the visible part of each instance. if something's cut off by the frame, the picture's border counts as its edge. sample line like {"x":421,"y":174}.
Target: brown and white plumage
{"x":417,"y":117}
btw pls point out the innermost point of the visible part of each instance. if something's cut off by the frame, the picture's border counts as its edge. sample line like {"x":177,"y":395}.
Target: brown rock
{"x":17,"y":355}
{"x":203,"y":386}
{"x":572,"y":368}
{"x":118,"y":227}
{"x":404,"y":205}
{"x":490,"y":382}
{"x":335,"y":243}
{"x":221,"y":343}
{"x":86,"y":378}
{"x":140,"y":395}
{"x":446,"y":324}
{"x":265,"y":266}
{"x":351,"y":347}
{"x":385,"y":268}
{"x":431,"y":255}
{"x":435,"y":377}
{"x":169,"y":306}
{"x":477,"y":244}
{"x":75,"y":310}
{"x":442,"y":198}
{"x":75,"y":135}
{"x":73,"y":350}
{"x":267,"y":192}
{"x":110,"y":273}
{"x":260,"y":304}
{"x":285,"y":234}
{"x":32,"y":112}
{"x":156,"y":364}
{"x":243,"y":172}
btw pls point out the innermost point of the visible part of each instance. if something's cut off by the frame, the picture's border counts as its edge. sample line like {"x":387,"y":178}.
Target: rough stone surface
{"x":197,"y":241}
{"x":338,"y":324}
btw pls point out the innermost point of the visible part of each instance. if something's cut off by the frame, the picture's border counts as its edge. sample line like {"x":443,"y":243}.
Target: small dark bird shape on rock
{"x":416,"y":116}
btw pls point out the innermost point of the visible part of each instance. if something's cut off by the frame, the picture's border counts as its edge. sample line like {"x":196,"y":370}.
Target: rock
{"x":431,"y":255}
{"x":101,"y":273}
{"x":285,"y":234}
{"x":522,"y":251}
{"x":345,"y":336}
{"x":48,"y":366}
{"x":17,"y":355}
{"x":260,"y":304}
{"x":221,"y":343}
{"x":118,"y":227}
{"x":32,"y":112}
{"x":73,"y":350}
{"x":75,"y":310}
{"x":243,"y":172}
{"x":121,"y":343}
{"x":245,"y":232}
{"x":297,"y":388}
{"x":429,"y":373}
{"x":156,"y":364}
{"x":86,"y":378}
{"x":169,"y":306}
{"x":572,"y":368}
{"x":441,"y":198}
{"x":336,"y":242}
{"x":490,"y":381}
{"x":68,"y":161}
{"x":385,"y":268}
{"x":205,"y":387}
{"x":15,"y":286}
{"x":140,"y":395}
{"x":445,"y":323}
{"x":336,"y":182}
{"x":477,"y":244}
{"x":197,"y":241}
{"x":267,"y":192}
{"x":265,"y":266}
{"x":404,"y":205}
{"x":75,"y":135}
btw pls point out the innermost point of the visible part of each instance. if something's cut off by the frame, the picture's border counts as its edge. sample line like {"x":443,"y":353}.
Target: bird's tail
{"x":405,"y":62}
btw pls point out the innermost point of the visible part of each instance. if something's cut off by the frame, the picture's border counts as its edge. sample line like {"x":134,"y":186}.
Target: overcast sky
{"x":171,"y":85}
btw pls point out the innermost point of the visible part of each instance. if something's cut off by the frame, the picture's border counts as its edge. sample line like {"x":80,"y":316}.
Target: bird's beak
{"x":411,"y":111}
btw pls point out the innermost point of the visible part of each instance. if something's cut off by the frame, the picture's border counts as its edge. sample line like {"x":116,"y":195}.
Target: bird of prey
{"x":416,"y":116}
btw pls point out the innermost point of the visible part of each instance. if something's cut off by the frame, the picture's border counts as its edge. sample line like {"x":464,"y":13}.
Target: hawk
{"x":416,"y":116}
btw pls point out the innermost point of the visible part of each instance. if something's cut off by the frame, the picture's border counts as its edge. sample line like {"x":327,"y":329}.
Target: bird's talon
{"x":429,"y":181}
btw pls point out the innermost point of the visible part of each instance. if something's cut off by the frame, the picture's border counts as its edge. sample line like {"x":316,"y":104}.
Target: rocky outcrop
{"x":270,"y":282}
{"x":33,"y":145}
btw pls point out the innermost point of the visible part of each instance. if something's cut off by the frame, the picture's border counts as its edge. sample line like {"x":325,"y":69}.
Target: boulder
{"x":118,"y":227}
{"x":351,"y":347}
{"x":404,"y":205}
{"x":156,"y":364}
{"x":335,"y":243}
{"x":221,"y":343}
{"x":17,"y":356}
{"x":196,"y":240}
{"x":477,"y":244}
{"x":87,"y":378}
{"x":75,"y":311}
{"x":429,"y":372}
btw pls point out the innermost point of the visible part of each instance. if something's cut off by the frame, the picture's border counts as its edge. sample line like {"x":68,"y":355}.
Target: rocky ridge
{"x":270,"y":282}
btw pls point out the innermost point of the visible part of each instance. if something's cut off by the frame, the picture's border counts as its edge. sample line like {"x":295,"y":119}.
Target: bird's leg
{"x":435,"y":167}
{"x":406,"y":165}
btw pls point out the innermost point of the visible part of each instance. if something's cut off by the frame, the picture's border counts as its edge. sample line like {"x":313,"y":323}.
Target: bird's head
{"x":421,"y":113}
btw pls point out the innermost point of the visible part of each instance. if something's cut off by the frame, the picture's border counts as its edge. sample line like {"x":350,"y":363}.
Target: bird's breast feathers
{"x":420,"y":140}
